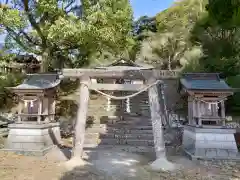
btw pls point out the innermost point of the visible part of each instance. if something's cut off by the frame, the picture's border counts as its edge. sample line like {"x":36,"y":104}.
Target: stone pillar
{"x":80,"y":125}
{"x":223,"y":116}
{"x":156,"y":116}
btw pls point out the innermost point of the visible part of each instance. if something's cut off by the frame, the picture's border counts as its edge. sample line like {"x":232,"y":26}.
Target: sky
{"x":142,"y":8}
{"x":149,"y":7}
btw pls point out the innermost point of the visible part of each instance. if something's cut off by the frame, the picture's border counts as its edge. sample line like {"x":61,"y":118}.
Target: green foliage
{"x":170,"y":47}
{"x":51,"y":30}
{"x":233,"y":103}
{"x":219,"y":38}
{"x":180,"y":17}
{"x":8,"y":80}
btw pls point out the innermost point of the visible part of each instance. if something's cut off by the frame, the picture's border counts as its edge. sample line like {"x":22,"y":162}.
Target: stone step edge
{"x":120,"y":131}
{"x":89,"y":147}
{"x":115,"y":139}
{"x":104,"y":126}
{"x":115,"y":134}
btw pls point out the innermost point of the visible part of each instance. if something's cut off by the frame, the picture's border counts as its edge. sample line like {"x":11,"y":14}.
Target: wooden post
{"x":53,"y":109}
{"x":223,"y":116}
{"x":108,"y":104}
{"x":194,"y":109}
{"x":46,"y":109}
{"x":156,"y":116}
{"x":81,"y":118}
{"x":189,"y":110}
{"x":199,"y":114}
{"x":40,"y":104}
{"x":20,"y":108}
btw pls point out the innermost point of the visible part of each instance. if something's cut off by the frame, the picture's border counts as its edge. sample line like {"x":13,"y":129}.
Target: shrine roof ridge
{"x":39,"y":81}
{"x":204,"y":81}
{"x":123,"y":63}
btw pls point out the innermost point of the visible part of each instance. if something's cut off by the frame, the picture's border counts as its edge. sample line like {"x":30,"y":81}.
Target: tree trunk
{"x":45,"y":61}
{"x":81,"y":118}
{"x":161,"y":163}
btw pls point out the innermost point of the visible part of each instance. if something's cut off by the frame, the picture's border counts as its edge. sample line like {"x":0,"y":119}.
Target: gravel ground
{"x":123,"y":166}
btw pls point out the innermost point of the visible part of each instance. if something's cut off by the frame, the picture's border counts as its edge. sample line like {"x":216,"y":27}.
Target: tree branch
{"x":16,"y":38}
{"x":73,"y":8}
{"x":69,"y":4}
{"x":33,"y":23}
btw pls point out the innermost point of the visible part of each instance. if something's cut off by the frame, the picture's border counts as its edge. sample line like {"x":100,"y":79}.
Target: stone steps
{"x":126,"y":123}
{"x":89,"y":148}
{"x":118,"y":136}
{"x":131,"y":142}
{"x":132,"y":131}
{"x":120,"y":129}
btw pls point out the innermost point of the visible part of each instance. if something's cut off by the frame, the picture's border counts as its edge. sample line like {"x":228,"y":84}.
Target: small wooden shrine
{"x":37,"y":98}
{"x":206,"y":137}
{"x":35,"y":130}
{"x":206,"y":97}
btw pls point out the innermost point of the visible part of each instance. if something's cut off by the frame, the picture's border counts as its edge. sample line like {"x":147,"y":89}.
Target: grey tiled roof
{"x":204,"y":81}
{"x":39,"y":81}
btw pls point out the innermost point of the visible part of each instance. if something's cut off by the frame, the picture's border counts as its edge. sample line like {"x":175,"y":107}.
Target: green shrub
{"x":233,"y":103}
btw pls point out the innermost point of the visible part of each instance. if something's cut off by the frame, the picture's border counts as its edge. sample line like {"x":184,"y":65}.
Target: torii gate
{"x":150,"y":79}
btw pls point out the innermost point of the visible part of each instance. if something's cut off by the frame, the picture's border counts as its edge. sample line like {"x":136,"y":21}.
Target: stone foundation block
{"x":210,"y":143}
{"x":32,"y":139}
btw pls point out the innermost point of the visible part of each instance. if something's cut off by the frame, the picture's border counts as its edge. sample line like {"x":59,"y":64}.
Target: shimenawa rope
{"x":128,"y":96}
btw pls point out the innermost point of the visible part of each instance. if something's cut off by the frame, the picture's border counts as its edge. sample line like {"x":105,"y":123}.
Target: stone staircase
{"x":132,"y":134}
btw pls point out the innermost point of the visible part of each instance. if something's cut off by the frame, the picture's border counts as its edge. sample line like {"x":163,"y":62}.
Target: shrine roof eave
{"x":37,"y":82}
{"x":209,"y":92}
{"x":206,"y":85}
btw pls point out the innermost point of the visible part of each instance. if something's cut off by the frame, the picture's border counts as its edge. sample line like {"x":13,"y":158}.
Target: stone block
{"x":209,"y":137}
{"x":217,"y":144}
{"x":200,"y":137}
{"x":229,"y":145}
{"x":211,"y":153}
{"x":32,"y":138}
{"x":222,"y":153}
{"x":33,"y":146}
{"x":221,"y":137}
{"x":232,"y":153}
{"x":200,"y":152}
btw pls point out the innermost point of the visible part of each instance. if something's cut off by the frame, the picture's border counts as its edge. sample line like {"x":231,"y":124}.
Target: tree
{"x":180,"y":17}
{"x":50,"y":29}
{"x":163,"y":50}
{"x":219,"y":37}
{"x":144,"y":25}
{"x":170,"y":49}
